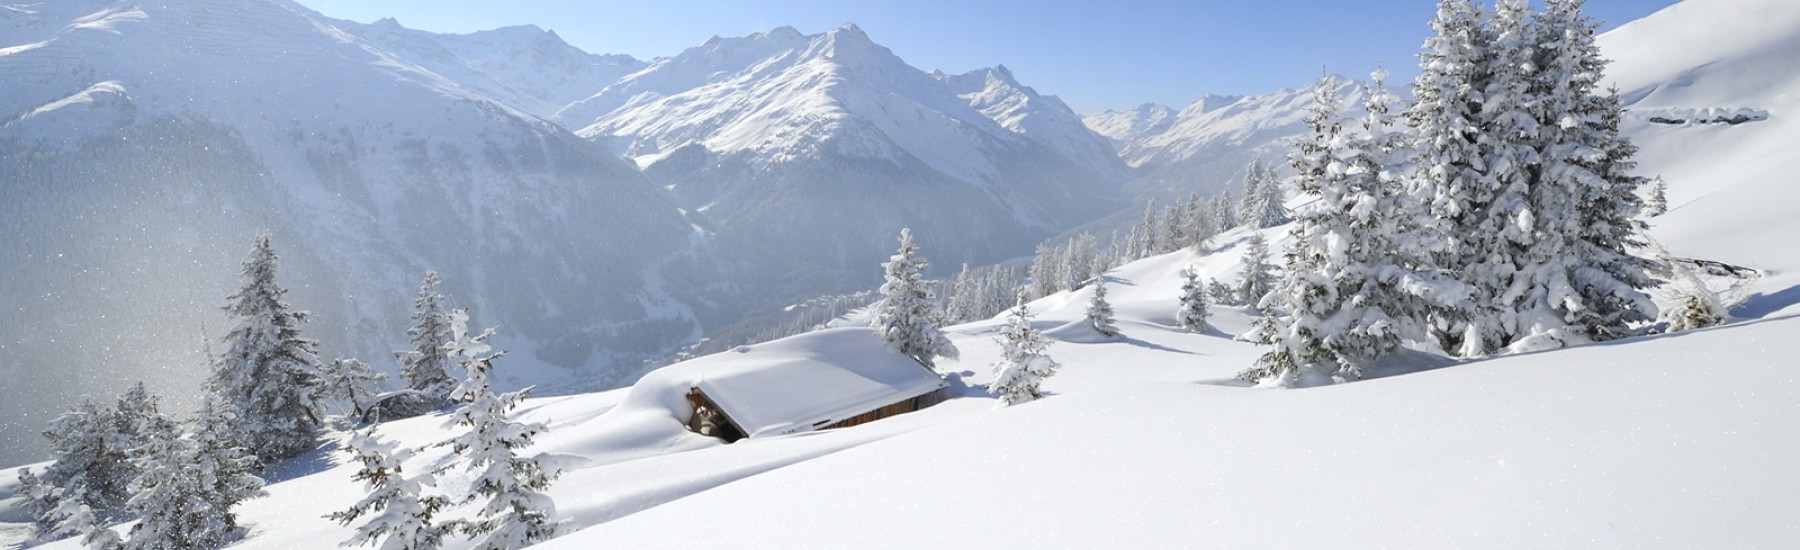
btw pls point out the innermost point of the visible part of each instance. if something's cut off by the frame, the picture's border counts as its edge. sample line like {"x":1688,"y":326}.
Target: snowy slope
{"x":524,"y":66}
{"x":1731,"y":191}
{"x":145,"y":144}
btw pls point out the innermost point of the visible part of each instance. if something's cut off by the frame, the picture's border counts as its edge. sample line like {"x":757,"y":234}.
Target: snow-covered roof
{"x":801,"y":383}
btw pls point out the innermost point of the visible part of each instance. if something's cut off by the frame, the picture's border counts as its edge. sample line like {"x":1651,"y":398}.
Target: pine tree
{"x":1100,"y":312}
{"x":1255,"y":279}
{"x":190,"y":484}
{"x":1193,"y":313}
{"x":350,"y":382}
{"x":1588,"y":157}
{"x":1349,"y":293}
{"x":517,"y":512}
{"x":94,"y":446}
{"x":1151,"y":230}
{"x":1173,"y":222}
{"x":1274,"y":368}
{"x":1220,"y":293}
{"x":1450,"y":166}
{"x":37,"y":499}
{"x":1659,"y":198}
{"x":1225,"y":211}
{"x":400,"y":516}
{"x":1262,"y":204}
{"x":269,"y":374}
{"x":1023,"y":365}
{"x":908,"y":317}
{"x":425,"y":367}
{"x":1045,"y":263}
{"x":963,"y":297}
{"x":1202,"y":227}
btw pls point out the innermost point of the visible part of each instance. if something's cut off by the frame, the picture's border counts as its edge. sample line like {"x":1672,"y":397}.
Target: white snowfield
{"x":1147,"y":441}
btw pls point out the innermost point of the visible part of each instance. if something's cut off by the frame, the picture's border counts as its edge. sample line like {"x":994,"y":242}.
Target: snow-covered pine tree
{"x":425,"y":368}
{"x":1224,"y":210}
{"x":908,"y":317}
{"x":1023,"y":365}
{"x":1255,"y":280}
{"x":1587,"y":157}
{"x":1275,"y":368}
{"x":1174,"y":224}
{"x":350,"y":382}
{"x":269,"y":373}
{"x":1450,"y":165}
{"x":36,"y":498}
{"x":1100,"y":312}
{"x":517,"y":512}
{"x":1658,"y":204}
{"x":1218,"y":292}
{"x":1201,"y":225}
{"x":189,"y":485}
{"x":1150,"y":229}
{"x":1044,"y":267}
{"x":1078,"y":261}
{"x":1262,"y":205}
{"x":1192,"y":314}
{"x":400,"y":516}
{"x":1349,"y":290}
{"x":92,"y":469}
{"x":964,"y":291}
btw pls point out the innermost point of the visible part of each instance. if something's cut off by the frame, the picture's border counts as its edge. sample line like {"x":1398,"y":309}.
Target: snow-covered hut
{"x":821,"y":380}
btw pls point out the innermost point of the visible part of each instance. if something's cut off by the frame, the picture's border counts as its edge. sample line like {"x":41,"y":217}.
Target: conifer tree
{"x":94,"y":447}
{"x":1100,"y":312}
{"x":351,"y":382}
{"x":1151,"y":230}
{"x":1659,"y":198}
{"x":1225,"y":211}
{"x":1193,"y":313}
{"x":1220,"y":293}
{"x":1262,"y":205}
{"x":1201,"y":225}
{"x":1023,"y":365}
{"x":1255,"y":280}
{"x":908,"y":317}
{"x":1349,"y":293}
{"x":1275,"y":368}
{"x":425,"y":368}
{"x":517,"y":512}
{"x":269,"y":374}
{"x":400,"y":516}
{"x":1586,"y":155}
{"x":964,"y":293}
{"x":37,"y":499}
{"x":189,"y":485}
{"x":1446,"y":118}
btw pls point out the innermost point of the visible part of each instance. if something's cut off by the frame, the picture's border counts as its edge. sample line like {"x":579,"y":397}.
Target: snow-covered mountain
{"x":524,"y":66}
{"x":1131,"y":125}
{"x":144,"y":144}
{"x":1205,"y":146}
{"x":814,"y":150}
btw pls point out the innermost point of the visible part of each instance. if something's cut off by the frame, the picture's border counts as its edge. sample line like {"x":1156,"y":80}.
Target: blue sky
{"x":1095,"y":55}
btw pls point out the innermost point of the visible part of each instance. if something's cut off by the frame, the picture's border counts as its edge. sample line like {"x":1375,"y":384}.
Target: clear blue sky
{"x":1095,"y":55}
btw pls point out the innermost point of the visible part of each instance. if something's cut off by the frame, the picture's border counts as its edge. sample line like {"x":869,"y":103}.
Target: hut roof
{"x":800,"y":383}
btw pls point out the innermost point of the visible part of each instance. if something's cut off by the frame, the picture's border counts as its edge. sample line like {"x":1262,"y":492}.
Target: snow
{"x":793,"y":385}
{"x":1673,"y":441}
